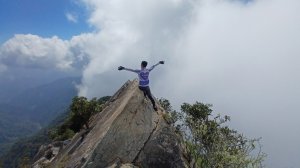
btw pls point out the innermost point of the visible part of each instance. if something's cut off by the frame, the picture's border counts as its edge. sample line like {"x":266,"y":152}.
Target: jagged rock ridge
{"x":127,"y":133}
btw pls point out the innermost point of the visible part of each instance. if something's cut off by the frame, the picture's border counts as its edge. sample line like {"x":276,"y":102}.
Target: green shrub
{"x":213,"y":145}
{"x":209,"y":142}
{"x":81,"y":111}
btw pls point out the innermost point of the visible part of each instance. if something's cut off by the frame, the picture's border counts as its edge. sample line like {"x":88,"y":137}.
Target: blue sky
{"x":45,"y":18}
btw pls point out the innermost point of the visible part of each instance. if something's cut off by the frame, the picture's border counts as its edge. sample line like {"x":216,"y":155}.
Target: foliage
{"x":25,"y":149}
{"x":165,"y":103}
{"x":25,"y":163}
{"x":23,"y":113}
{"x":28,"y":147}
{"x":209,"y":142}
{"x":13,"y":127}
{"x":81,"y":111}
{"x":171,"y":116}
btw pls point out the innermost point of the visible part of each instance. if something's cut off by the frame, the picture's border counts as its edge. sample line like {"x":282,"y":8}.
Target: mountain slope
{"x":45,"y":102}
{"x":26,"y":148}
{"x":128,"y":131}
{"x":12,"y":127}
{"x":29,"y":111}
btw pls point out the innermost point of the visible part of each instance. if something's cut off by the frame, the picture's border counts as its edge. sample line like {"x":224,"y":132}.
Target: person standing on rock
{"x":143,"y":74}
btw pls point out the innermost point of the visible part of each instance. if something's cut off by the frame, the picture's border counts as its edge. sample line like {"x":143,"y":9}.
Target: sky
{"x":240,"y":56}
{"x":63,"y":18}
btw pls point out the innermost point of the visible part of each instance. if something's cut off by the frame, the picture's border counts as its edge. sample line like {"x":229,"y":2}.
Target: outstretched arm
{"x":160,"y":62}
{"x":127,"y":69}
{"x":131,"y":70}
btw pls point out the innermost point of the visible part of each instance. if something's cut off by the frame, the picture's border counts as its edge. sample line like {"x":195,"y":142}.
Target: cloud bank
{"x":243,"y":57}
{"x":32,"y":50}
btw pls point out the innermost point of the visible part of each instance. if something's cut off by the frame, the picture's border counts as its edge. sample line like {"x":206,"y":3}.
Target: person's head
{"x":144,"y":64}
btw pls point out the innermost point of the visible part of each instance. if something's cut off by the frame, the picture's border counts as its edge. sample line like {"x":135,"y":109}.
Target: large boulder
{"x":127,"y":133}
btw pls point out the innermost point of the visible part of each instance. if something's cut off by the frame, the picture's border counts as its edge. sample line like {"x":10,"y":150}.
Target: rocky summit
{"x":128,"y":133}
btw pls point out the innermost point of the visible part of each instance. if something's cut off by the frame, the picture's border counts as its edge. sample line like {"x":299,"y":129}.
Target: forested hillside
{"x":23,"y":151}
{"x":32,"y":109}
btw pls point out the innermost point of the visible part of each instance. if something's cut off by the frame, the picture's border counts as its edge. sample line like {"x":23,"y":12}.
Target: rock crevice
{"x":143,"y":147}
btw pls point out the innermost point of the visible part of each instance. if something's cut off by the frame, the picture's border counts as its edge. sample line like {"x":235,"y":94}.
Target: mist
{"x":240,"y":56}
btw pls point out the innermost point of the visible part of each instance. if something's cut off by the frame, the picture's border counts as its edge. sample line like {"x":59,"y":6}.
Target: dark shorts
{"x":145,"y":89}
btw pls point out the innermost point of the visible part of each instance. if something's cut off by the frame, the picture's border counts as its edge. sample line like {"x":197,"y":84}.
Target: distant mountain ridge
{"x":43,"y":103}
{"x":32,"y":109}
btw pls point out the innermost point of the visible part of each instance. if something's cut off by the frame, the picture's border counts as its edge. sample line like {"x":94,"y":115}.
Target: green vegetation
{"x":62,"y":128}
{"x":23,"y":149}
{"x":12,"y":127}
{"x":25,"y":113}
{"x":209,"y":142}
{"x":172,"y":116}
{"x":81,"y":111}
{"x":26,"y":148}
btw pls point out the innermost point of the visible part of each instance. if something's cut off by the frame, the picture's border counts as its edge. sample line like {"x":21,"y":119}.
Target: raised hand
{"x":120,"y":68}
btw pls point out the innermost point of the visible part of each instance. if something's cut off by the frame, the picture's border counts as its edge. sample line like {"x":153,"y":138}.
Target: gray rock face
{"x":127,"y":133}
{"x":46,"y":154}
{"x":162,"y":150}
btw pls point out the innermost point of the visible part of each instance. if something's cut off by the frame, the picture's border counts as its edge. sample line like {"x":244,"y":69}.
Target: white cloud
{"x":29,"y":50}
{"x":243,"y":58}
{"x":129,"y":32}
{"x":72,"y":17}
{"x":32,"y":50}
